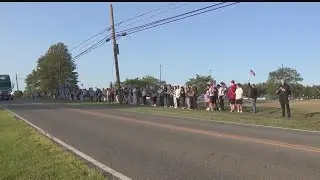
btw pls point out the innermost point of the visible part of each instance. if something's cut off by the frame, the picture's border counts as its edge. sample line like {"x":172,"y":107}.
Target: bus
{"x":5,"y":87}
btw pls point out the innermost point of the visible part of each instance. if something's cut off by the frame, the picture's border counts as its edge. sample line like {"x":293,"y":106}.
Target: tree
{"x":32,"y":81}
{"x":144,"y":81}
{"x":289,"y":74}
{"x":200,"y":82}
{"x":18,"y":94}
{"x":55,"y":69}
{"x":271,"y":90}
{"x":262,"y":89}
{"x":150,"y":80}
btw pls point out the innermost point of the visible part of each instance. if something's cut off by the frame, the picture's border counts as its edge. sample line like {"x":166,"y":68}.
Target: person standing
{"x":166,"y":96}
{"x":188,"y":97}
{"x":213,"y":96}
{"x":206,"y":98}
{"x":239,"y":97}
{"x":144,"y":96}
{"x":221,"y":95}
{"x":182,"y":98}
{"x":138,"y":95}
{"x":161,"y":96}
{"x":134,"y":95}
{"x":154,"y":95}
{"x":232,"y":95}
{"x":194,"y":102}
{"x":171,"y":94}
{"x":176,"y":97}
{"x":253,"y":95}
{"x":284,"y":93}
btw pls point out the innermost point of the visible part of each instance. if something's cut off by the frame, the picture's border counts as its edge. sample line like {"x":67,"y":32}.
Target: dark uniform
{"x":284,"y":92}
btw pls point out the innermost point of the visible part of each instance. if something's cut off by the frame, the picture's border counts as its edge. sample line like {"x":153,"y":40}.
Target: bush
{"x":18,"y":94}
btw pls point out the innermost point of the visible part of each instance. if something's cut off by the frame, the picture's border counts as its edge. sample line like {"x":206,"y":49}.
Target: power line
{"x":170,"y":9}
{"x":172,"y":17}
{"x":96,"y":45}
{"x":143,"y":14}
{"x":108,"y":29}
{"x":142,"y":29}
{"x":118,"y":24}
{"x":153,"y":24}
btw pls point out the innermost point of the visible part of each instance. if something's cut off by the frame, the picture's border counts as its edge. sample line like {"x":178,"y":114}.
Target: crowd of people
{"x":185,"y":97}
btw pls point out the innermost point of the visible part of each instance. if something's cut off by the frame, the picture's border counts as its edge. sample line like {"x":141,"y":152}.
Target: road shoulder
{"x":26,"y":154}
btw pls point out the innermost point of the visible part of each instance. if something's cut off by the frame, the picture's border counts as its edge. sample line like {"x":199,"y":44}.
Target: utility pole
{"x":115,"y":52}
{"x":17,"y":82}
{"x":210,"y":72}
{"x":160,"y":73}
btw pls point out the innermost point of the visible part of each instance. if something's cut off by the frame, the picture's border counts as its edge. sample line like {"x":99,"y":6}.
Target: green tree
{"x":56,"y":68}
{"x":32,"y":81}
{"x":292,"y":76}
{"x":144,"y":81}
{"x":200,"y":82}
{"x":150,"y":80}
{"x":308,"y":92}
{"x":18,"y":94}
{"x":262,"y":89}
{"x":297,"y":90}
{"x":271,"y":90}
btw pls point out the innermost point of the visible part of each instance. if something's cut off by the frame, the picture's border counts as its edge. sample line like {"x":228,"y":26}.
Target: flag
{"x":252,"y":73}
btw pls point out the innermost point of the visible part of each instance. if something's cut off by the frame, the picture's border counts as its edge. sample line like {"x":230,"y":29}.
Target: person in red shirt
{"x":232,"y":95}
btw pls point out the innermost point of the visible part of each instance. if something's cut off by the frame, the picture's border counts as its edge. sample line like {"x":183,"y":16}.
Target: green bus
{"x":5,"y":87}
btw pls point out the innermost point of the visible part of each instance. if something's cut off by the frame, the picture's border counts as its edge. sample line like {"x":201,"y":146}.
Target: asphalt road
{"x":156,"y":147}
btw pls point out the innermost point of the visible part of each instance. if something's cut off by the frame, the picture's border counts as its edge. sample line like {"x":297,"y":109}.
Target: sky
{"x":229,"y":41}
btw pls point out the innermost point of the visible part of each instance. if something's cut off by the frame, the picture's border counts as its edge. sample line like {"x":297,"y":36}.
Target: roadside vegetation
{"x":26,"y":154}
{"x":305,"y":114}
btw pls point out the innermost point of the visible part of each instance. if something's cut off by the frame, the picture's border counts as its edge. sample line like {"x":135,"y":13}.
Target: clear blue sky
{"x":258,"y":36}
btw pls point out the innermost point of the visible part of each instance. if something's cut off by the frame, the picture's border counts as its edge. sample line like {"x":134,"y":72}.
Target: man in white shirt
{"x":239,"y":97}
{"x":134,"y":97}
{"x":177,"y":96}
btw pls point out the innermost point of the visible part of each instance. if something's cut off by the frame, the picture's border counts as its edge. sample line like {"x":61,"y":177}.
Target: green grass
{"x":265,"y":116}
{"x":26,"y":154}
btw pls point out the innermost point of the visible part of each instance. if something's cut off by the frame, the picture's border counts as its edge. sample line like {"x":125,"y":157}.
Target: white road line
{"x":79,"y":153}
{"x":224,"y":122}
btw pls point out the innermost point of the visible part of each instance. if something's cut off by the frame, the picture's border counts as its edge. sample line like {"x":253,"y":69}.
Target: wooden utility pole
{"x":115,"y":52}
{"x":17,"y":82}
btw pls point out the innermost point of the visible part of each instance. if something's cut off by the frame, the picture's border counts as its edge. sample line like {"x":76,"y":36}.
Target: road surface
{"x":148,"y":147}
